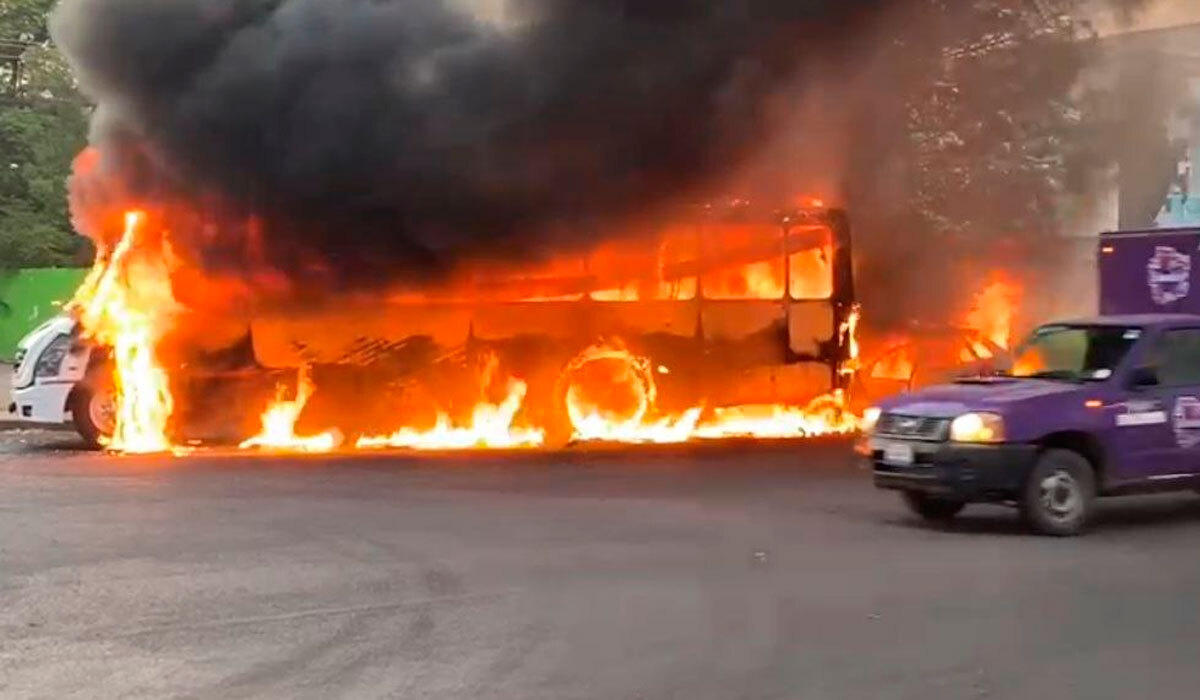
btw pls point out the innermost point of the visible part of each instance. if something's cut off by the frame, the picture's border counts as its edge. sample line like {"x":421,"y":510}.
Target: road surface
{"x":714,"y":573}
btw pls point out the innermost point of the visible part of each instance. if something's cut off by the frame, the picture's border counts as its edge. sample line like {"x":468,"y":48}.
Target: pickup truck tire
{"x":93,"y":412}
{"x":1059,"y":494}
{"x":932,"y":508}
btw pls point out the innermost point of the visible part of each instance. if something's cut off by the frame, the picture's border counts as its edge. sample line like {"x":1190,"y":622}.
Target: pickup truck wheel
{"x":94,"y":412}
{"x":931,"y":508}
{"x":1059,"y":495}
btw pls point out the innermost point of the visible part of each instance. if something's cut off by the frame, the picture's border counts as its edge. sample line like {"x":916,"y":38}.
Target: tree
{"x":976,"y":129}
{"x":25,"y":19}
{"x":43,"y":124}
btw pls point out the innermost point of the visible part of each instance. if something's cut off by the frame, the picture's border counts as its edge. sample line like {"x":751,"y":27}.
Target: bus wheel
{"x":94,"y":412}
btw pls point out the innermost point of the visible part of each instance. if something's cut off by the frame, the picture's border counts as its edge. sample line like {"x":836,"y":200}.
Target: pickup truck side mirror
{"x":1143,"y":377}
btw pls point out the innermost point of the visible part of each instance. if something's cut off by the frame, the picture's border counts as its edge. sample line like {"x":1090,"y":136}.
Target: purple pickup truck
{"x":1094,"y":407}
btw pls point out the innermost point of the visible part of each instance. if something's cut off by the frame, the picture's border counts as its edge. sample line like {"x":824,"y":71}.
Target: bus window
{"x":637,"y":270}
{"x":745,"y":262}
{"x":559,"y":279}
{"x":811,"y":263}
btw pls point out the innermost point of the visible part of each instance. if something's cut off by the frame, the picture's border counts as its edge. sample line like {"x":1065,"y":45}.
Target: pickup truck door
{"x":1174,"y":449}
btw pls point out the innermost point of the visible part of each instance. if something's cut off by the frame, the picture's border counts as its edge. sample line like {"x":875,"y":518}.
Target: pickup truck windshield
{"x":1074,"y":353}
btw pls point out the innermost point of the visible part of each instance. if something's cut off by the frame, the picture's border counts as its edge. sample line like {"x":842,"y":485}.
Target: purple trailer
{"x":1151,"y":271}
{"x":1101,"y":406}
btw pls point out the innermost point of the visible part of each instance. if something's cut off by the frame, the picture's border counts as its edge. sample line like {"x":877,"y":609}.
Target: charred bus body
{"x":732,"y":305}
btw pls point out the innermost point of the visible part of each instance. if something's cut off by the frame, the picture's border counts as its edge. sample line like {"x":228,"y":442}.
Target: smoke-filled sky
{"x":389,"y":139}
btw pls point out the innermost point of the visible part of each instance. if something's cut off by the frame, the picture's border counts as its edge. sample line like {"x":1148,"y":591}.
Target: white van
{"x":52,"y":384}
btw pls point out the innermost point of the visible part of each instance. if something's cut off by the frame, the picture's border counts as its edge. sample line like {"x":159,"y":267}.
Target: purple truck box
{"x":1092,"y":407}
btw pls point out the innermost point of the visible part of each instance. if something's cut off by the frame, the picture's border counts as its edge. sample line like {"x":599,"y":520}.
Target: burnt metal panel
{"x":740,"y":319}
{"x":355,"y":335}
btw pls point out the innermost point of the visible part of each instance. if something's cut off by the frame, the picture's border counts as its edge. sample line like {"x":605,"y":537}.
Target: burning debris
{"x":980,"y":343}
{"x":491,"y":425}
{"x":279,"y":422}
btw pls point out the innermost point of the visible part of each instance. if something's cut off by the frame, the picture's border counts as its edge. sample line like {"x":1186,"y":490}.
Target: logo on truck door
{"x":1169,"y":273}
{"x":1141,"y":413}
{"x":1187,"y":421}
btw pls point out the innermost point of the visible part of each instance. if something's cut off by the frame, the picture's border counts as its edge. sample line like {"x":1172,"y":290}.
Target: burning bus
{"x":729,"y":320}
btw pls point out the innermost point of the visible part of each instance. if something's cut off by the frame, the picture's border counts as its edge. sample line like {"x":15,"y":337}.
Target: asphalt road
{"x":717,"y":573}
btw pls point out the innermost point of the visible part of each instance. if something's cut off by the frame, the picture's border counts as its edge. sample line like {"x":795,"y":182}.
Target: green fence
{"x":29,"y":297}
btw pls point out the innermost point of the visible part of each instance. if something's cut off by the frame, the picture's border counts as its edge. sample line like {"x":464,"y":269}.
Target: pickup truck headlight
{"x":977,"y":427}
{"x":869,"y":418}
{"x":49,"y":363}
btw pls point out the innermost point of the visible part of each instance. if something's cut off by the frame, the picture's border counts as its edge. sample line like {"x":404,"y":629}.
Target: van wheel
{"x":931,"y":508}
{"x":1059,"y":495}
{"x":94,"y":412}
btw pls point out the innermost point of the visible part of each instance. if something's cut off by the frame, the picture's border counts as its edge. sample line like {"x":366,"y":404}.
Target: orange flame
{"x":492,"y":425}
{"x":611,"y":397}
{"x":121,"y":305}
{"x":992,"y":317}
{"x":279,"y":422}
{"x":848,"y":336}
{"x":824,"y":415}
{"x":896,"y":364}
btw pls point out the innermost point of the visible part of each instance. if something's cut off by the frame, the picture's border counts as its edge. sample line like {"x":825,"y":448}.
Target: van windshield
{"x":1074,"y":353}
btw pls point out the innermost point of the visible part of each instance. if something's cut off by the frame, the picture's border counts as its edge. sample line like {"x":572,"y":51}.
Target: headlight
{"x":977,"y":427}
{"x":869,"y":418}
{"x":50,"y":361}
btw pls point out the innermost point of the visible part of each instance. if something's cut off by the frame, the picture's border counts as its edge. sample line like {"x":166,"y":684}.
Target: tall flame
{"x":848,"y":337}
{"x":279,"y":422}
{"x":121,"y":305}
{"x":992,"y":316}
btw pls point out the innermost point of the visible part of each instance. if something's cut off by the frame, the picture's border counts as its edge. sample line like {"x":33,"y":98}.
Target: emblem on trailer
{"x":1187,"y":421}
{"x":1169,"y":273}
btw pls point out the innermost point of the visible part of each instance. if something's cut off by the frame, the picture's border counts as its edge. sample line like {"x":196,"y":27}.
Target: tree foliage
{"x":980,"y":127}
{"x":43,"y":124}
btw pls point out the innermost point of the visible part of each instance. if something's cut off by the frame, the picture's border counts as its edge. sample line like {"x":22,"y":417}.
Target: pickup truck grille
{"x":917,"y":427}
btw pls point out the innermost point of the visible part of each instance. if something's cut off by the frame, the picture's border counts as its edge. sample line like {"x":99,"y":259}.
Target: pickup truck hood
{"x":994,"y":394}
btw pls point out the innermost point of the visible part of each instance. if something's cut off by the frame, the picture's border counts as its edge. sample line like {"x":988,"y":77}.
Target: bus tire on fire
{"x":92,"y":404}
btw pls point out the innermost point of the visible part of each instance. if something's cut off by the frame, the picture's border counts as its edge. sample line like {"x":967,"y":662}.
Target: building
{"x":1159,"y":169}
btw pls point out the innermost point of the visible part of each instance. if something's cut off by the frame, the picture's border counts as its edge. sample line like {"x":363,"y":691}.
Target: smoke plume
{"x":354,"y":142}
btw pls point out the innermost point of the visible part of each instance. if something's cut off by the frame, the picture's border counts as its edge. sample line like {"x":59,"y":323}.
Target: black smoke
{"x":360,"y":142}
